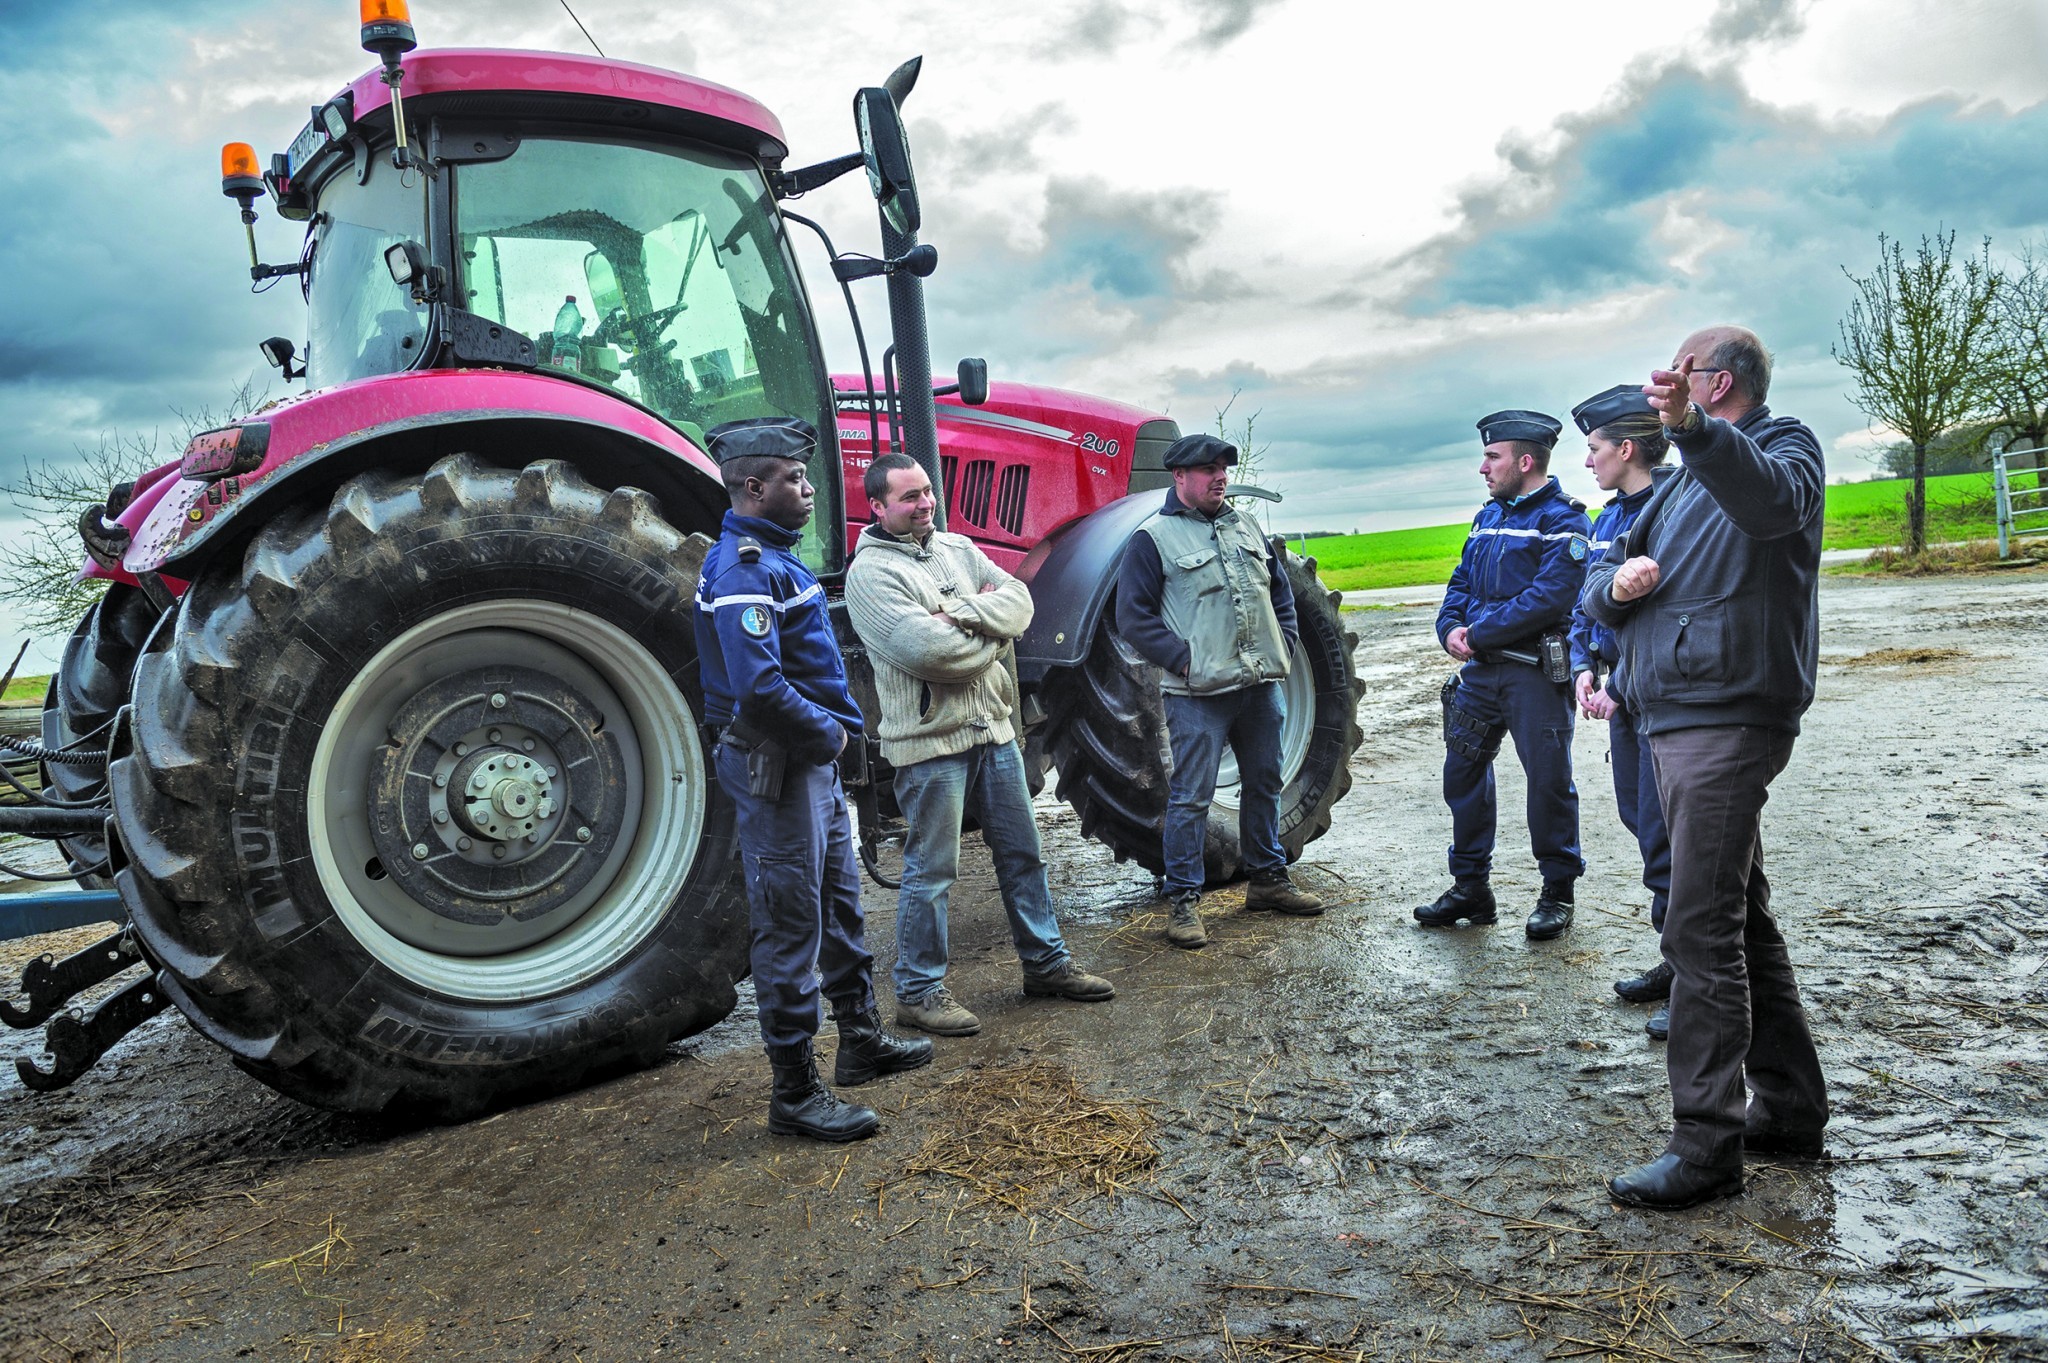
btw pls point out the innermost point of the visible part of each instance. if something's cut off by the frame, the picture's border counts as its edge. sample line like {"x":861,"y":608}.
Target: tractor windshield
{"x":658,"y":271}
{"x":358,"y":322}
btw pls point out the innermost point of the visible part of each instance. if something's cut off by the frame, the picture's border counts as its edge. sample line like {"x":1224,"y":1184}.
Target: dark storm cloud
{"x":127,"y":294}
{"x":1588,"y":217}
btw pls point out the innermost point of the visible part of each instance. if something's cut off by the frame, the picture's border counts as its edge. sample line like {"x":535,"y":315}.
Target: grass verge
{"x":1859,"y":516}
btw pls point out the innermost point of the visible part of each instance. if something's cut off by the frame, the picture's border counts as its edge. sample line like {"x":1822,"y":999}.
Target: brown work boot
{"x":1277,"y":894}
{"x":938,"y":1013}
{"x":1184,"y":921}
{"x":1069,"y":981}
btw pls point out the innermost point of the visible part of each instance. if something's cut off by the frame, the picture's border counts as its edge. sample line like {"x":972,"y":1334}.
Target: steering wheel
{"x":640,"y":330}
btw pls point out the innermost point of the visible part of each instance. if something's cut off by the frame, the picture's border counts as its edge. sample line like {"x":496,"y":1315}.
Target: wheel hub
{"x":496,"y":795}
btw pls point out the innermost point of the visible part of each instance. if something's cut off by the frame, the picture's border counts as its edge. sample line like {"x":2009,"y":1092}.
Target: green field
{"x":24,"y":689}
{"x":1860,"y":516}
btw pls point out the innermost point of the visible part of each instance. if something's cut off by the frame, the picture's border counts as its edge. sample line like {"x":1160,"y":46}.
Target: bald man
{"x":1712,"y":594}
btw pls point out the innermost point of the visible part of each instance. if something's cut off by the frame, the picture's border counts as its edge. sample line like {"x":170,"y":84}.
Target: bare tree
{"x":2018,"y":365}
{"x":39,"y":566}
{"x":1917,"y":337}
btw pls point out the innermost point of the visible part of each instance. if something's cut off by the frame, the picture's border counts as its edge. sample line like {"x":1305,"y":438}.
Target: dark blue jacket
{"x":1520,"y":574}
{"x":1141,"y":582}
{"x":1731,"y":632}
{"x":1592,"y":642}
{"x":765,"y":646}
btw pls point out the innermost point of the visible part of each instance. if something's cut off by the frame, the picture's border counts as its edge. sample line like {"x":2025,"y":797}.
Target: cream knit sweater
{"x":943,"y":683}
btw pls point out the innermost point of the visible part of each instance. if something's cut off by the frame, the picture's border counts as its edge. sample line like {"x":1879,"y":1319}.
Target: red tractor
{"x":391,"y":708}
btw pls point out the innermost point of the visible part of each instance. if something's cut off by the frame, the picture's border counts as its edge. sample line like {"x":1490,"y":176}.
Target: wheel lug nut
{"x":419,"y":851}
{"x":497,"y":735}
{"x":464,"y":844}
{"x":498,"y":852}
{"x":582,"y":834}
{"x":462,"y":749}
{"x":527,"y":744}
{"x":440,"y":816}
{"x":441,"y":779}
{"x":498,"y":700}
{"x":480,"y":781}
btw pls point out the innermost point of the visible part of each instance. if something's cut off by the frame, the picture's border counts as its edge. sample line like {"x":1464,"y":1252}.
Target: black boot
{"x":1658,"y":1025}
{"x":1553,"y":913}
{"x":803,"y":1106}
{"x":1668,"y":1183}
{"x":1650,"y":986}
{"x":1471,"y":900}
{"x":867,"y":1052}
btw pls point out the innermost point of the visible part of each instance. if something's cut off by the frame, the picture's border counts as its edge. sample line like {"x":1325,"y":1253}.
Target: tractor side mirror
{"x":605,"y":294}
{"x":886,"y":153}
{"x":973,"y":382}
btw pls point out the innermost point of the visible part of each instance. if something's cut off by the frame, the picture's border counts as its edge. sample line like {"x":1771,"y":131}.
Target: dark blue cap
{"x":1193,"y":451}
{"x":1622,"y":400}
{"x":1517,"y":424}
{"x":757,"y":437}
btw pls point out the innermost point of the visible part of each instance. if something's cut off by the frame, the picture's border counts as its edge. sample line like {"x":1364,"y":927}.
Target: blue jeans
{"x":803,"y":896}
{"x":1199,"y":726}
{"x":987,"y":781}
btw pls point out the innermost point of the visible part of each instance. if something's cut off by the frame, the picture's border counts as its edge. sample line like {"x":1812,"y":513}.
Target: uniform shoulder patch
{"x":1577,"y":546}
{"x":755,"y":621}
{"x":748,"y":548}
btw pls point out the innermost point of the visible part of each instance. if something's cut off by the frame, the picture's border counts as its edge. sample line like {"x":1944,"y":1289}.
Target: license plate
{"x":310,"y":140}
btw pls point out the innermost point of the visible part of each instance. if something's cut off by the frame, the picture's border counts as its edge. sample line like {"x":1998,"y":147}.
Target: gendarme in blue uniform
{"x":1595,"y":649}
{"x":768,"y":660}
{"x":1518,"y":578}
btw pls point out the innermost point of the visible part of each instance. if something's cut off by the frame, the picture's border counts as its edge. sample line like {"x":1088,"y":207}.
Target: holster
{"x":1466,"y":733}
{"x":767,"y":760}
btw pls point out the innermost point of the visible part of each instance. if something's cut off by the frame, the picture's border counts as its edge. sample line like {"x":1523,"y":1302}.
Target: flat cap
{"x":1193,"y":451}
{"x":1610,"y":405}
{"x":757,"y":437}
{"x":1518,"y":424}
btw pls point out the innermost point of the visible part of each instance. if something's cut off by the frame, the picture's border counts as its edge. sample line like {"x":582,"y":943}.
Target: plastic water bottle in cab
{"x":568,"y":351}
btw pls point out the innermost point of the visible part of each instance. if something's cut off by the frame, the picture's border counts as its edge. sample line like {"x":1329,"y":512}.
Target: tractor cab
{"x":540,"y":219}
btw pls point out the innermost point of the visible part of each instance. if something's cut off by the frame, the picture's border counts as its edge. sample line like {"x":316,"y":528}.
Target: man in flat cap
{"x":1202,"y":597}
{"x":1504,"y":617}
{"x":1713,"y":594}
{"x":775,"y":690}
{"x":1625,"y":449}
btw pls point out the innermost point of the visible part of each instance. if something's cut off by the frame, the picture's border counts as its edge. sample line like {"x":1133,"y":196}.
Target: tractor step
{"x":48,"y":983}
{"x":75,"y":1041}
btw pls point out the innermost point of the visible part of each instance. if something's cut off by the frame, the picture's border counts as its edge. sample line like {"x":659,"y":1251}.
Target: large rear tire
{"x":1105,"y":733}
{"x":90,"y":685}
{"x":412,"y":807}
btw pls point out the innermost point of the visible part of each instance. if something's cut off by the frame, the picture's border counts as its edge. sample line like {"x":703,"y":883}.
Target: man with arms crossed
{"x":937,"y":618}
{"x":1713,"y":595}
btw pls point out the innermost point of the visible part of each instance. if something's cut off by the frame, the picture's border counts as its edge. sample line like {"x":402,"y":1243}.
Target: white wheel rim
{"x":631,"y":893}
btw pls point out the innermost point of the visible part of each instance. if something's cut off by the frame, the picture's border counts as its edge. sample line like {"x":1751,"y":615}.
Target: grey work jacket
{"x":1218,"y":596}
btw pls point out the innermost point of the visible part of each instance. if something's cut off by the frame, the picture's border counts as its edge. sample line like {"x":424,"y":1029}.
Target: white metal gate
{"x":2022,"y":511}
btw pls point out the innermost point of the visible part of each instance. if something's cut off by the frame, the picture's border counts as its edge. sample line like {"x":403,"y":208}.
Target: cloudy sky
{"x":1373,"y":223}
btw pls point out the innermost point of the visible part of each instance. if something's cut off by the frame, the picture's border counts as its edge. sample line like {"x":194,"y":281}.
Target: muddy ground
{"x":1340,"y":1138}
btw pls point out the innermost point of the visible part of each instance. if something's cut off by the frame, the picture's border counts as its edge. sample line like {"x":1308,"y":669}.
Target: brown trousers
{"x":1735,"y":1007}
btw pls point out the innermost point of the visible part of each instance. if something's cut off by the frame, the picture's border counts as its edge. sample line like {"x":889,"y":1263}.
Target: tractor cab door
{"x":659,"y":271}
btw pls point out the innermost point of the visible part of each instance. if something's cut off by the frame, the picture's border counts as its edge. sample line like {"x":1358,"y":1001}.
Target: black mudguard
{"x":1073,"y":583}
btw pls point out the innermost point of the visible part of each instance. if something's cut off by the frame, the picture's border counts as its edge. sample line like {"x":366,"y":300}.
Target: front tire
{"x":1105,"y":732}
{"x":90,"y":685}
{"x":412,"y":806}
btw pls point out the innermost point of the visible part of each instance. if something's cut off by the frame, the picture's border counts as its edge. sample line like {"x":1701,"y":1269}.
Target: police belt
{"x":1551,"y":657}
